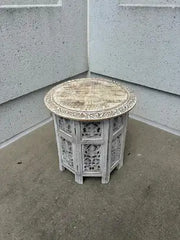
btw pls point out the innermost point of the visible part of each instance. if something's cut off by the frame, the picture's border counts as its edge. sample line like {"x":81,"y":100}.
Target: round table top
{"x":89,"y":99}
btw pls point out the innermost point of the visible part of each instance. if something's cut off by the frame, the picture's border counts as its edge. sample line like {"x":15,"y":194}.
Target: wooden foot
{"x":105,"y":180}
{"x":78,"y":179}
{"x":119,"y":166}
{"x":61,"y":168}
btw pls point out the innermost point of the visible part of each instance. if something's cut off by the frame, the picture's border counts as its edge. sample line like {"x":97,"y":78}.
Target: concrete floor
{"x":141,"y":202}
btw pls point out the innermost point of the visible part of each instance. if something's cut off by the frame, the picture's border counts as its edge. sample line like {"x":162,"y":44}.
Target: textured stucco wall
{"x":154,"y":107}
{"x":148,"y":2}
{"x":27,"y":2}
{"x":38,"y":47}
{"x":41,"y":46}
{"x":140,"y":45}
{"x":24,"y":113}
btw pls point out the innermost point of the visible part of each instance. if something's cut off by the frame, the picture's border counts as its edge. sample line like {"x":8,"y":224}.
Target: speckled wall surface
{"x":41,"y":46}
{"x":26,"y":2}
{"x":154,"y":107}
{"x":147,"y":2}
{"x":23,"y":113}
{"x":38,"y":47}
{"x":140,"y":46}
{"x":136,"y":44}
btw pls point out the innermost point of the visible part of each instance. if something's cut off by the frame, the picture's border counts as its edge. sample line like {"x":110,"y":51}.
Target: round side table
{"x":90,"y":119}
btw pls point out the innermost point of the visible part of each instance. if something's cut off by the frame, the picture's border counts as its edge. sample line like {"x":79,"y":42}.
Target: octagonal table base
{"x":90,"y":149}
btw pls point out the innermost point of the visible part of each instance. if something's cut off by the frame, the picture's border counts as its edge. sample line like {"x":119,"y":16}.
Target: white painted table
{"x":90,"y":118}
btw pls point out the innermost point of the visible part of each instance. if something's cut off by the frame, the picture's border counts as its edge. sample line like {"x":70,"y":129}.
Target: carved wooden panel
{"x":116,"y":150}
{"x":117,"y":123}
{"x":67,"y":153}
{"x":65,"y":124}
{"x":90,"y":148}
{"x":91,"y":129}
{"x":92,"y":158}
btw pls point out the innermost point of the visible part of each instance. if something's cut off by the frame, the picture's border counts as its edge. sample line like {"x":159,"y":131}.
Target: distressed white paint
{"x":90,"y":149}
{"x":58,"y":143}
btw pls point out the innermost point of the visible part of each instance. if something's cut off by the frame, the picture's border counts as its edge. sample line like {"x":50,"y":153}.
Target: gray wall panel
{"x":27,"y":2}
{"x":160,"y":108}
{"x":23,"y":113}
{"x":41,"y":46}
{"x":137,"y":44}
{"x":150,"y":2}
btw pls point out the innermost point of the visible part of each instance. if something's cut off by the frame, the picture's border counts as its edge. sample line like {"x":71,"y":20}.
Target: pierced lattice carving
{"x":92,"y":158}
{"x":65,"y":124}
{"x":116,"y":149}
{"x":117,"y":123}
{"x":91,"y":129}
{"x":67,"y":153}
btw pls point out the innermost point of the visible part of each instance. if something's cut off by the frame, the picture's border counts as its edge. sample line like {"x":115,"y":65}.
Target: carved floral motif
{"x":67,"y":154}
{"x":65,"y":124}
{"x":117,"y":123}
{"x":116,"y":149}
{"x":91,"y":129}
{"x":92,"y":156}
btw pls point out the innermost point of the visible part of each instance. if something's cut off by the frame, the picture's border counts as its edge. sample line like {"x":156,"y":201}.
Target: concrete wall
{"x":41,"y":46}
{"x":38,"y":47}
{"x":28,"y":2}
{"x":19,"y":116}
{"x":156,"y":108}
{"x":150,"y":2}
{"x":140,"y":45}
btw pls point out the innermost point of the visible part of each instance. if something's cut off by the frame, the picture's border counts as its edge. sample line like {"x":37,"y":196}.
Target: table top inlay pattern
{"x":90,"y":99}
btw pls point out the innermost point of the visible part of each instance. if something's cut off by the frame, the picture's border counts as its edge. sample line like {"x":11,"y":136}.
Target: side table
{"x":90,"y":118}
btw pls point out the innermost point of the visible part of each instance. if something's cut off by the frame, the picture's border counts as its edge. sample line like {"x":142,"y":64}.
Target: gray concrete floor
{"x":141,"y":202}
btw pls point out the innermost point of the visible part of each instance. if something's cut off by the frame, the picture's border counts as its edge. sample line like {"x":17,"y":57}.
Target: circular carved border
{"x":90,"y":115}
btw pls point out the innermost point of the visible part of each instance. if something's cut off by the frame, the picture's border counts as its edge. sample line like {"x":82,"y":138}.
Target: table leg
{"x":58,"y":143}
{"x":123,"y":139}
{"x":78,"y":179}
{"x":105,"y":179}
{"x":105,"y":155}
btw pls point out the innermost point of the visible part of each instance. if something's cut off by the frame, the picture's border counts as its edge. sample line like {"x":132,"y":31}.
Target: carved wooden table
{"x":90,"y":118}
